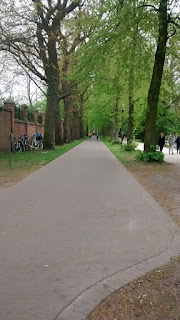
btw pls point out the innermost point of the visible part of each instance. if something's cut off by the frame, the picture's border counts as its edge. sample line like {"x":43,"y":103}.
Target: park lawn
{"x":24,"y":163}
{"x":156,"y":295}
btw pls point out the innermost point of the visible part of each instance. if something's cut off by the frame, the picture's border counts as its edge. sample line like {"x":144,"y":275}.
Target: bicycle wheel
{"x":16,"y":147}
{"x":35,"y":144}
{"x":23,"y":147}
{"x":40,"y":144}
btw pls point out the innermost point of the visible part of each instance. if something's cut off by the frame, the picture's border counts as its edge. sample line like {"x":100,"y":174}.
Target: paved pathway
{"x":73,"y":232}
{"x":174,"y":159}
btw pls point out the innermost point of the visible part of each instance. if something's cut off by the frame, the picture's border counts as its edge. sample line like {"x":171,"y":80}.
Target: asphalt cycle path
{"x":73,"y":232}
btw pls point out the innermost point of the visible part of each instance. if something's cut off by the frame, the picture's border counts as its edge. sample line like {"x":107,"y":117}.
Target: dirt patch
{"x":163,"y":183}
{"x":9,"y":177}
{"x":155,"y":296}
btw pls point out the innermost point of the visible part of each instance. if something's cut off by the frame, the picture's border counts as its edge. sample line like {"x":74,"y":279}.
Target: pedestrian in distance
{"x":178,"y":143}
{"x":161,"y":141}
{"x":124,"y":138}
{"x":171,"y":141}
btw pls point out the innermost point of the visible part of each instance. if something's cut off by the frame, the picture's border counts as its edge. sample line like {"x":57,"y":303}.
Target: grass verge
{"x":128,"y":158}
{"x":24,"y":163}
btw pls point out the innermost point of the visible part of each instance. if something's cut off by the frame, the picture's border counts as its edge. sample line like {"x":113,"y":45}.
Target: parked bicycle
{"x":25,"y":143}
{"x":22,"y":144}
{"x":17,"y":146}
{"x":37,"y":141}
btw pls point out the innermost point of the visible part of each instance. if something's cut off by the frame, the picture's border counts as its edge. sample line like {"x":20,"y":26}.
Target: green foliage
{"x":108,"y":59}
{"x":156,"y":156}
{"x":18,"y":113}
{"x":116,"y":142}
{"x":2,"y":102}
{"x":153,"y":148}
{"x":39,"y":105}
{"x":130,"y":146}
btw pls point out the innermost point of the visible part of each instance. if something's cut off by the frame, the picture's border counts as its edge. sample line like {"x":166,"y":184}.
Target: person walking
{"x":178,"y":143}
{"x":161,"y":141}
{"x":171,"y":141}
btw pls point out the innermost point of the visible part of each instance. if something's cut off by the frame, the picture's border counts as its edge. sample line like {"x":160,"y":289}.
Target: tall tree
{"x":76,"y":31}
{"x":154,"y":90}
{"x":34,"y":42}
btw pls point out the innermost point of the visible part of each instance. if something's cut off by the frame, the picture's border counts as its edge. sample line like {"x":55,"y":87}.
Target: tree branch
{"x":150,"y":6}
{"x":171,"y":35}
{"x":175,"y":23}
{"x":71,"y":7}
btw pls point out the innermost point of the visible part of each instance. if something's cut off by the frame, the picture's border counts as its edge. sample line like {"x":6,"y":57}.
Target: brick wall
{"x":8,"y":124}
{"x":5,"y":128}
{"x":21,"y":127}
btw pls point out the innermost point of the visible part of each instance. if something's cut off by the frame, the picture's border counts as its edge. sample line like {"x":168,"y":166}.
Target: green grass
{"x":126,"y":157}
{"x":24,"y":163}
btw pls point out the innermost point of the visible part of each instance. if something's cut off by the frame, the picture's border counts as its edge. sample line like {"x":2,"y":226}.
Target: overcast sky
{"x":14,"y":83}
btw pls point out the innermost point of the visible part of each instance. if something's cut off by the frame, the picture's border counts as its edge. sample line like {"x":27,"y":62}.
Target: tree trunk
{"x":111,"y":131}
{"x":68,"y":100}
{"x":116,"y":118}
{"x":76,"y":126}
{"x":72,"y":127}
{"x":58,"y":132}
{"x":81,"y":119}
{"x":154,"y":90}
{"x":53,"y":82}
{"x":67,"y":120}
{"x":52,"y":104}
{"x":131,"y":110}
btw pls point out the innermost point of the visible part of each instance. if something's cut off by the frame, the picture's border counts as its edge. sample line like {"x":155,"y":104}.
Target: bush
{"x":153,"y":148}
{"x":155,"y":156}
{"x":108,"y":139}
{"x":130,"y":146}
{"x":116,"y":142}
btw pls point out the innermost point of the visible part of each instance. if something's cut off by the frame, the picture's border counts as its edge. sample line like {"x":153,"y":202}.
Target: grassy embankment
{"x":23,"y":163}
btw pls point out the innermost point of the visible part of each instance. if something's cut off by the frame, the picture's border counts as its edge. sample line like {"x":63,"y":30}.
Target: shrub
{"x":154,"y":156}
{"x":116,"y":142}
{"x":130,"y":146}
{"x":108,"y":139}
{"x":153,"y":148}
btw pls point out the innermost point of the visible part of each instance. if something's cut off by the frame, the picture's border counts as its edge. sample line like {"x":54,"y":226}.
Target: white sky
{"x":14,"y":83}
